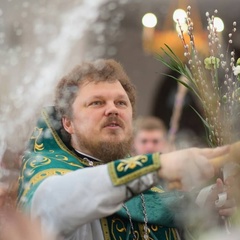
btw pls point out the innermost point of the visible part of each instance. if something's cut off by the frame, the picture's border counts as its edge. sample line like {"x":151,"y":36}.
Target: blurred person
{"x":150,"y":135}
{"x":18,"y":226}
{"x":13,"y":224}
{"x":78,"y":179}
{"x":2,"y":195}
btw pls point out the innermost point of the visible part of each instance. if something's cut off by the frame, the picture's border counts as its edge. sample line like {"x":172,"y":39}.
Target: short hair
{"x":97,"y":71}
{"x":149,"y":123}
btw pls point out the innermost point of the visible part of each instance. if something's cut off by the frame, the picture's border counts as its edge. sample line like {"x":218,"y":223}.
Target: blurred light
{"x":184,"y":27}
{"x":218,"y":24}
{"x":149,"y":20}
{"x":179,"y":15}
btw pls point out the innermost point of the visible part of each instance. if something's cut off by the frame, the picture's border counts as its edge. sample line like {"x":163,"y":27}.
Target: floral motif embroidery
{"x":131,"y":163}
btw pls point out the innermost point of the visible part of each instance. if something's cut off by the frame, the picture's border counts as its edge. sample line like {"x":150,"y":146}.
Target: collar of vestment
{"x":87,"y":157}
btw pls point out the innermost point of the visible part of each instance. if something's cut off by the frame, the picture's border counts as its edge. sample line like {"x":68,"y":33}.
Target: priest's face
{"x":101,"y":123}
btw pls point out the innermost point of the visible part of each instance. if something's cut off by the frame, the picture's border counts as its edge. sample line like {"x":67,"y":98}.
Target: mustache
{"x":113,"y":119}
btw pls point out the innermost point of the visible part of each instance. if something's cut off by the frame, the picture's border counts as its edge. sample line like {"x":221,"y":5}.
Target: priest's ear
{"x":67,"y":124}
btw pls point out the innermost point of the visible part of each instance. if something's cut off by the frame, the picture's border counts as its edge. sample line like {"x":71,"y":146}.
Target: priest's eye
{"x":96,"y":103}
{"x":122,"y":103}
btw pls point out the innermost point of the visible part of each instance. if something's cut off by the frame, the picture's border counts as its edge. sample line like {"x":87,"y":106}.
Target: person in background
{"x":150,"y":135}
{"x":77,"y":176}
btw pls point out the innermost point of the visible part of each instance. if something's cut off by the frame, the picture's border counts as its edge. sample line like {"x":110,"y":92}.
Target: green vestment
{"x":47,"y":155}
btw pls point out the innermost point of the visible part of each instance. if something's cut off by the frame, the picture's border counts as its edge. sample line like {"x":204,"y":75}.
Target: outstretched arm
{"x":188,"y":168}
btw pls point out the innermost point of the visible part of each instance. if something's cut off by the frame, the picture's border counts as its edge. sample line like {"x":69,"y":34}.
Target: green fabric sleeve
{"x":125,"y":170}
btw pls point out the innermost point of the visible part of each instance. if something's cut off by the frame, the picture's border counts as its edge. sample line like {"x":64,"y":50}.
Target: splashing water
{"x":39,"y":42}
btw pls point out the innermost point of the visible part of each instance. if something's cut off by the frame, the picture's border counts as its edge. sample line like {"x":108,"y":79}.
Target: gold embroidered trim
{"x":170,"y":232}
{"x":157,"y":189}
{"x":105,"y":228}
{"x":135,"y":174}
{"x":35,"y":137}
{"x":60,"y":142}
{"x":42,"y":175}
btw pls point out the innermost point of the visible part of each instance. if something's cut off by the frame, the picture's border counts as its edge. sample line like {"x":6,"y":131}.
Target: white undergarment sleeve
{"x":65,"y":203}
{"x":78,"y":197}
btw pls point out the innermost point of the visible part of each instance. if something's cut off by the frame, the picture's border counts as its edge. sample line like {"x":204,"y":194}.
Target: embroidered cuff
{"x":125,"y":170}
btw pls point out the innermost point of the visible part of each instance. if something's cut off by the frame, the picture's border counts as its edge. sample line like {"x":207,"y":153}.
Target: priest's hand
{"x":189,"y":168}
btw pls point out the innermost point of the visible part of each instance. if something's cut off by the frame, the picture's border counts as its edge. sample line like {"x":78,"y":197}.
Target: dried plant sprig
{"x":214,"y":79}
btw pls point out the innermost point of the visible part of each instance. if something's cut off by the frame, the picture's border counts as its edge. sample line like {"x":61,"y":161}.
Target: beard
{"x":106,"y":151}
